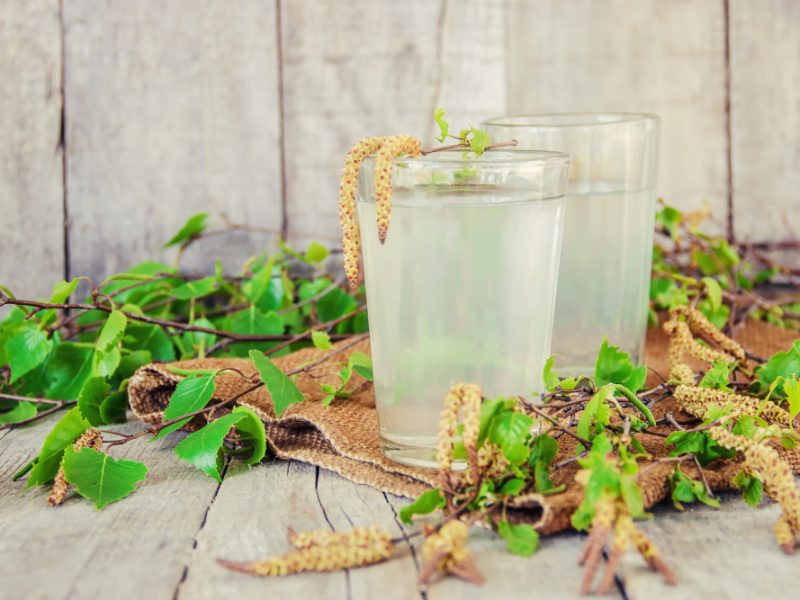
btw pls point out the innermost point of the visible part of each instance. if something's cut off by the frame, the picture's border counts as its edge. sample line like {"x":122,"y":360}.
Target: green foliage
{"x":65,"y":432}
{"x":426,"y":503}
{"x":321,"y":340}
{"x":752,"y":487}
{"x":204,"y":447}
{"x":197,"y":288}
{"x":688,"y":490}
{"x":441,"y":123}
{"x":718,"y":376}
{"x":615,"y":366}
{"x":21,"y":411}
{"x":194,"y":226}
{"x":100,"y":478}
{"x":699,"y":443}
{"x":511,"y":431}
{"x":91,"y":398}
{"x":191,"y":394}
{"x":596,"y":415}
{"x":316,"y":253}
{"x":520,"y":539}
{"x":281,"y":388}
{"x":782,"y":365}
{"x":26,"y":348}
{"x":543,"y":451}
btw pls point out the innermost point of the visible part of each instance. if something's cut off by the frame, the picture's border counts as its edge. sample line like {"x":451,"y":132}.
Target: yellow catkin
{"x":764,"y":462}
{"x":700,"y":325}
{"x":323,"y":551}
{"x":447,"y":546}
{"x":683,"y":342}
{"x":697,"y":400}
{"x":90,"y":438}
{"x":466,"y":397}
{"x":393,"y":146}
{"x":351,"y":237}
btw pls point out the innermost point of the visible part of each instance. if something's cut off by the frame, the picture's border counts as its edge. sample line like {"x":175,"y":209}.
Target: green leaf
{"x":203,"y":448}
{"x":714,"y":292}
{"x":65,"y":432}
{"x":521,"y":539}
{"x":781,"y":364}
{"x":68,"y":369}
{"x":549,"y":376}
{"x":686,"y":489}
{"x":100,"y":478}
{"x":361,"y":364}
{"x":196,"y":288}
{"x":512,"y":487}
{"x":615,"y":366}
{"x":112,"y":331}
{"x":252,"y":321}
{"x":441,"y":123}
{"x":26,"y":349}
{"x":91,"y":399}
{"x":426,"y":503}
{"x":477,"y":139}
{"x":321,"y":340}
{"x":113,"y":408}
{"x":316,"y":252}
{"x":669,"y":218}
{"x":265,"y":289}
{"x":335,"y":304}
{"x":194,"y":226}
{"x":191,"y":394}
{"x":792,"y":389}
{"x":632,"y":494}
{"x":596,"y":414}
{"x":717,"y":377}
{"x":151,"y":338}
{"x":281,"y":389}
{"x":170,"y":428}
{"x":752,"y":488}
{"x":511,"y":431}
{"x":63,"y":290}
{"x":20,"y":412}
{"x":699,"y":443}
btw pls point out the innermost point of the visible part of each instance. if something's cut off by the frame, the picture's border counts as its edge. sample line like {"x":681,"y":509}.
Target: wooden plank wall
{"x":247,"y":107}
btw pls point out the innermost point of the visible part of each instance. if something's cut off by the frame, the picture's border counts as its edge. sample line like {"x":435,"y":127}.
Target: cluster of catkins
{"x":323,"y":551}
{"x":612,"y":518}
{"x":386,"y":149}
{"x":760,"y":459}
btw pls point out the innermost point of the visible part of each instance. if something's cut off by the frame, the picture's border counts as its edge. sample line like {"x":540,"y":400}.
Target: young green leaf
{"x":781,"y":364}
{"x":615,"y":366}
{"x":100,"y":478}
{"x":191,"y":394}
{"x":549,"y":376}
{"x":714,"y":292}
{"x":113,"y":408}
{"x":688,"y":490}
{"x":65,"y":432}
{"x":752,"y":488}
{"x":26,"y":349}
{"x":91,"y":398}
{"x":316,"y":252}
{"x":361,"y":364}
{"x":20,"y":412}
{"x":511,"y":431}
{"x":70,"y":365}
{"x":441,"y":122}
{"x":426,"y":503}
{"x":203,"y":448}
{"x":335,"y":304}
{"x":194,"y":226}
{"x":321,"y":340}
{"x":521,"y":539}
{"x":281,"y":388}
{"x":596,"y":414}
{"x":791,"y":387}
{"x":512,"y":487}
{"x":151,"y":338}
{"x":717,"y":377}
{"x":197,"y":288}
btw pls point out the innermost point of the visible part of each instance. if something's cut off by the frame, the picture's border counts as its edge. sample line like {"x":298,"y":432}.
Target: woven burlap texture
{"x":343,"y":437}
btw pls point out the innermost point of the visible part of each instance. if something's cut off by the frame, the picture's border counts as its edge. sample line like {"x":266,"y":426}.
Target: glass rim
{"x":575,"y":120}
{"x":500,"y":156}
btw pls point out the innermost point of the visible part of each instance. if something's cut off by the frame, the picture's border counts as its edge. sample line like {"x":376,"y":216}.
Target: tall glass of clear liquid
{"x":464,"y":287}
{"x":606,"y":258}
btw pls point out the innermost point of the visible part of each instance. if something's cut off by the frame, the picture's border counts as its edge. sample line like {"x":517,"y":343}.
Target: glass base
{"x":415,"y":456}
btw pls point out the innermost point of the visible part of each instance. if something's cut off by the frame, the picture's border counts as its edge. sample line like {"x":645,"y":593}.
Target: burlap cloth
{"x":344,"y":436}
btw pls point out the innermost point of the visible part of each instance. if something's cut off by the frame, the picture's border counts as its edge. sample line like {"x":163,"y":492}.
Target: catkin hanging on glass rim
{"x":386,"y":148}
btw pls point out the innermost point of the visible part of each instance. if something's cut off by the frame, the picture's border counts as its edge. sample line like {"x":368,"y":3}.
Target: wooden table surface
{"x":162,"y":541}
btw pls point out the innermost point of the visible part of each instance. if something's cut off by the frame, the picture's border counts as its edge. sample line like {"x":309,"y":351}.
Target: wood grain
{"x":31,"y":180}
{"x":667,"y":58}
{"x":765,"y":118}
{"x":172,"y":109}
{"x":135,"y":548}
{"x":368,"y":67}
{"x":725,"y":553}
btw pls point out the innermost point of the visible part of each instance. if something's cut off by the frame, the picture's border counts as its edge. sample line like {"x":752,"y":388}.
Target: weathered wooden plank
{"x":137,"y":547}
{"x":248,"y":521}
{"x":765,"y":118}
{"x":552,"y":572}
{"x":666,"y":58}
{"x":364,"y":68}
{"x":31,"y":178}
{"x":724,"y":553}
{"x":171,"y":110}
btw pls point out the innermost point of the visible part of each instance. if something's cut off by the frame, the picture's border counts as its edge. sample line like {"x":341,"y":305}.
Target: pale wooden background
{"x":119,"y":119}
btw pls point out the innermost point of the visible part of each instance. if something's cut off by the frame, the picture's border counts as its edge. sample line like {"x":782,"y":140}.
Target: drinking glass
{"x":606,"y":258}
{"x":464,"y":287}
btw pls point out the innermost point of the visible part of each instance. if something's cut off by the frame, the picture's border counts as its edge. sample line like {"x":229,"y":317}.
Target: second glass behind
{"x":606,"y":258}
{"x":464,"y":287}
